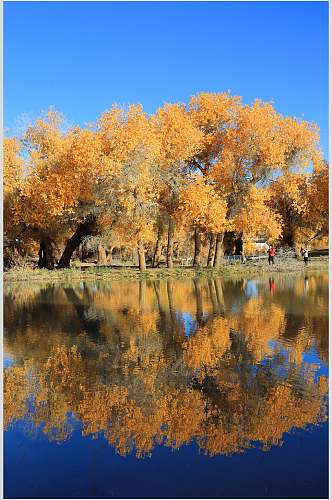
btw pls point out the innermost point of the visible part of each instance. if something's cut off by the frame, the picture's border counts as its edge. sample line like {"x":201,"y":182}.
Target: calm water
{"x":170,"y":389}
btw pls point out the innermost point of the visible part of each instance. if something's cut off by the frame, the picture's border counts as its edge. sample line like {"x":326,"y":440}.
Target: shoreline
{"x":102,"y":273}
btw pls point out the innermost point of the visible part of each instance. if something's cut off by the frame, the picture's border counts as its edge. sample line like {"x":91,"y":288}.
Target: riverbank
{"x":228,"y":269}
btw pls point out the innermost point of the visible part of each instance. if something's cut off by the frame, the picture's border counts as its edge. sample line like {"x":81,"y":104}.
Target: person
{"x":271,"y":252}
{"x":305,"y":256}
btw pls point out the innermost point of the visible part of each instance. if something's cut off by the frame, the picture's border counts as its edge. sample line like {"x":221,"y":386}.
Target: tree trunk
{"x":8,"y":259}
{"x":157,"y":252}
{"x":87,"y":228}
{"x":41,"y":259}
{"x":229,"y":242}
{"x":109,"y":257}
{"x":170,"y":243}
{"x":84,"y":251}
{"x":218,"y":252}
{"x":198,"y":247}
{"x":47,"y":251}
{"x":213,"y":238}
{"x":101,"y":255}
{"x":141,"y":256}
{"x":239,"y":245}
{"x":288,"y":236}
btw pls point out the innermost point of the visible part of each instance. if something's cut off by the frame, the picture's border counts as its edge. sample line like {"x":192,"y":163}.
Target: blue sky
{"x":81,"y":57}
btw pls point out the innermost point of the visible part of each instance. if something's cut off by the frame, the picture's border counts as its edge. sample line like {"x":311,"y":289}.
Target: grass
{"x":228,"y":269}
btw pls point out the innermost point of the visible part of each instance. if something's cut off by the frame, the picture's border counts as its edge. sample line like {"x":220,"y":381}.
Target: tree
{"x":289,"y":202}
{"x":317,"y":195}
{"x":301,"y":199}
{"x":130,"y":173}
{"x":213,"y":115}
{"x":179,"y":141}
{"x":13,"y":165}
{"x":59,"y":192}
{"x":256,"y":218}
{"x":204,"y":209}
{"x":130,"y":194}
{"x":258,"y":146}
{"x":13,"y":179}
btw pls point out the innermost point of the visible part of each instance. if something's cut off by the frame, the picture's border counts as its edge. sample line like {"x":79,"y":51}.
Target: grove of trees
{"x":190,"y":174}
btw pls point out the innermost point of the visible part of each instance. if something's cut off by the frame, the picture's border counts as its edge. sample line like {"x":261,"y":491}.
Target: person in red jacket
{"x":271,"y":251}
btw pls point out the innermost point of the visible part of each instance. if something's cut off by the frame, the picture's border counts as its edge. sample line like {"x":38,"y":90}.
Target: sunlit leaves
{"x":131,"y":171}
{"x":255,"y":217}
{"x":202,"y":206}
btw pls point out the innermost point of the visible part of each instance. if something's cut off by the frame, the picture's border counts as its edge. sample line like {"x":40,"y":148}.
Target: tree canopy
{"x":188,"y":172}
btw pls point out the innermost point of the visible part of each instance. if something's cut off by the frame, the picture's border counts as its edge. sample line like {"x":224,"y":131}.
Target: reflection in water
{"x":272,"y":286}
{"x":227,"y":364}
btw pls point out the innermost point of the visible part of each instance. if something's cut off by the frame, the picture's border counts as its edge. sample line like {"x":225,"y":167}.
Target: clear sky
{"x":81,"y":57}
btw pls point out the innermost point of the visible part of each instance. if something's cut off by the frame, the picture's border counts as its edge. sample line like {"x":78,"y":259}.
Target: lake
{"x":194,"y":388}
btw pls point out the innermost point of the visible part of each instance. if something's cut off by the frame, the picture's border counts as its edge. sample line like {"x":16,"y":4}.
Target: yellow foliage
{"x":255,"y":216}
{"x":202,"y":206}
{"x":13,"y":165}
{"x":129,"y":170}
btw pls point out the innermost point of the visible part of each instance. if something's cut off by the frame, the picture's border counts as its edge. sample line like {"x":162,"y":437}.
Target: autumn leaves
{"x":187,"y":172}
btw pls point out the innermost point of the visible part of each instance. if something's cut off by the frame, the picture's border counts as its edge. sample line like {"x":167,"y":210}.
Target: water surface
{"x":167,"y":389}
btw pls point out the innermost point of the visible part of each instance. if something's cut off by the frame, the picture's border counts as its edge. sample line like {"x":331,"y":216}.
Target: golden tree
{"x":259,"y":144}
{"x":65,"y":167}
{"x":130,"y":193}
{"x":13,"y":179}
{"x":130,"y":175}
{"x":204,"y":209}
{"x":255,"y":217}
{"x":179,"y":141}
{"x":301,"y":199}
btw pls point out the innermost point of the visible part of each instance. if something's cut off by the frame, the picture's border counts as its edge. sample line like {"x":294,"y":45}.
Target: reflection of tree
{"x":89,"y":324}
{"x":199,"y":302}
{"x":208,"y":345}
{"x":119,"y":361}
{"x":214,"y":298}
{"x":16,"y":392}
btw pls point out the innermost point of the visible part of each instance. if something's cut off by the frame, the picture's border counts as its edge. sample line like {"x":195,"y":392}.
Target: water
{"x":167,"y":389}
